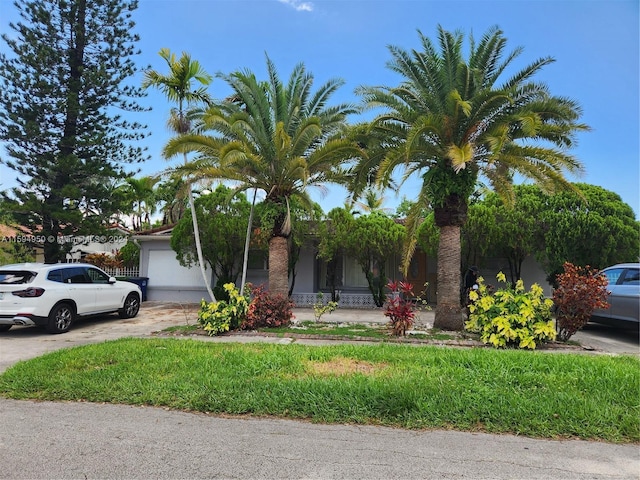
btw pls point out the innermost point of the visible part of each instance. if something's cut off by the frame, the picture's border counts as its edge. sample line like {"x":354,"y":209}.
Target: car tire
{"x":61,"y":318}
{"x":131,"y":306}
{"x":5,"y":328}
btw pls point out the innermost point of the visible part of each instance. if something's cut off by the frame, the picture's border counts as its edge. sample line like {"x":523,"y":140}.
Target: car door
{"x":625,"y":296}
{"x":80,"y":289}
{"x":109,"y":296}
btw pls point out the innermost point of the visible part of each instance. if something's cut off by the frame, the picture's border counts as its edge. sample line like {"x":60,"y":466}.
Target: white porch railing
{"x":347,"y":300}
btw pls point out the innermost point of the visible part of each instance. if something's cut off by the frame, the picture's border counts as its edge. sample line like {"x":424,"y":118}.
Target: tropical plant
{"x":580,"y":291}
{"x":510,"y":316}
{"x":222,"y":316}
{"x":320,"y":307}
{"x":276,"y":138}
{"x":451,"y":120}
{"x":399,"y":307}
{"x":267,"y":310}
{"x":177,"y":86}
{"x":140,"y":195}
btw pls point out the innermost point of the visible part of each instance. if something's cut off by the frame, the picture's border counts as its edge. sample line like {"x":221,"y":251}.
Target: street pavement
{"x":61,"y":440}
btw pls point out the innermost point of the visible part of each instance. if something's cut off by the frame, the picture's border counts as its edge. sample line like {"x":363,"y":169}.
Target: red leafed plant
{"x":398,"y":308}
{"x":580,"y":291}
{"x":267,"y":310}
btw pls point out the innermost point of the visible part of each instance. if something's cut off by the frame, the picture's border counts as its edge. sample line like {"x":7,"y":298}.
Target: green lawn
{"x":529,"y":393}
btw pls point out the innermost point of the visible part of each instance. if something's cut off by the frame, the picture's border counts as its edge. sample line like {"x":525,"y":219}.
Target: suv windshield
{"x":12,"y":277}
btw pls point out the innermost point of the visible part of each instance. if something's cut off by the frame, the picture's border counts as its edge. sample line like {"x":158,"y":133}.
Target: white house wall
{"x":171,"y":282}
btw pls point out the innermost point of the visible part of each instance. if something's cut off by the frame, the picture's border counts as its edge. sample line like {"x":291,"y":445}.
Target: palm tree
{"x":372,"y":200}
{"x":177,"y":86}
{"x":450,"y":123}
{"x":275,"y":138}
{"x":140,"y":194}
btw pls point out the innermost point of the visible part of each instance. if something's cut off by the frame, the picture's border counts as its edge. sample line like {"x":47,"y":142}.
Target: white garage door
{"x":165,"y":271}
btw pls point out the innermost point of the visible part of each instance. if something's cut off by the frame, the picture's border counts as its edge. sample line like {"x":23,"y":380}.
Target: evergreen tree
{"x":59,"y":91}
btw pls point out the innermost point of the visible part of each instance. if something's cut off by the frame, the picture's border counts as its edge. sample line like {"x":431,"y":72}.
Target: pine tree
{"x":68,"y":75}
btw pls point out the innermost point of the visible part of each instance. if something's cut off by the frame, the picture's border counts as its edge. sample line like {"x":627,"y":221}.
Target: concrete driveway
{"x":84,"y":440}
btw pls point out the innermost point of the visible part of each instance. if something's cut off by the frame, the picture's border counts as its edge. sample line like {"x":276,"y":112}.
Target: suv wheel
{"x":131,"y":306}
{"x":60,"y":318}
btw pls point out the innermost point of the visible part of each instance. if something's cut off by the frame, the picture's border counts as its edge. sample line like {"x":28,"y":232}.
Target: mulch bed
{"x":462,"y":341}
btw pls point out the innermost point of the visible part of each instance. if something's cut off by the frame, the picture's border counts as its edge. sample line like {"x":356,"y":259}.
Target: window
{"x":97,"y":276}
{"x":56,"y":276}
{"x":631,"y":277}
{"x":10,"y":277}
{"x":353,"y":274}
{"x":75,"y":275}
{"x":613,"y":275}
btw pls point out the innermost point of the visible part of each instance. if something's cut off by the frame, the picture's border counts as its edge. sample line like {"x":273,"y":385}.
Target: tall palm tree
{"x":276,"y":138}
{"x":452,"y":121}
{"x":177,"y":86}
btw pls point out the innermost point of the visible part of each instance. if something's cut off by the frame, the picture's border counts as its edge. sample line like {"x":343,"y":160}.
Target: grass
{"x":528,"y":393}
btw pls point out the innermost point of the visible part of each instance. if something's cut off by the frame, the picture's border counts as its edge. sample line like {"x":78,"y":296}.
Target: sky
{"x":595,"y":44}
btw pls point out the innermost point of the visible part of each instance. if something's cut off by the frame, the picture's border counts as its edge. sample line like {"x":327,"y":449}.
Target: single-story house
{"x":170,"y":281}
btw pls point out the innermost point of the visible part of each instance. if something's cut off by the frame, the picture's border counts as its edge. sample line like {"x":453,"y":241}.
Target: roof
{"x":157,"y":233}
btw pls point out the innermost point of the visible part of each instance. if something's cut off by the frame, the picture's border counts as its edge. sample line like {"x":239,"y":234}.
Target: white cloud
{"x":298,"y":5}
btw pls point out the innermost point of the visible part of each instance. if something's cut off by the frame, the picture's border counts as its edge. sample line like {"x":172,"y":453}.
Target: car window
{"x":97,"y":276}
{"x":75,"y":275}
{"x":631,"y":277}
{"x":613,"y":275}
{"x":9,"y":277}
{"x":56,"y":276}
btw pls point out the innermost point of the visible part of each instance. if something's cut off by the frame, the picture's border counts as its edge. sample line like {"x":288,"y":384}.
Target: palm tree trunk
{"x":448,"y":311}
{"x":247,"y":242}
{"x":196,"y":234}
{"x":278,"y":266}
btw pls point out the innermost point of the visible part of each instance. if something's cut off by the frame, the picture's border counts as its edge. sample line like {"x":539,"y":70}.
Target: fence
{"x":123,"y":272}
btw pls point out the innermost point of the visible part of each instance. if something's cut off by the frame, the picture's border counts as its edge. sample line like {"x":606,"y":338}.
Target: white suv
{"x":54,"y":295}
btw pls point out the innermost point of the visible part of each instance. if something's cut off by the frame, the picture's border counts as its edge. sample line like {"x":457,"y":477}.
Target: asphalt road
{"x":56,"y":440}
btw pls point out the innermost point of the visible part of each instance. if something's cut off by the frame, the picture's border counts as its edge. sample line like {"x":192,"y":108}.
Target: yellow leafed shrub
{"x":510,"y":316}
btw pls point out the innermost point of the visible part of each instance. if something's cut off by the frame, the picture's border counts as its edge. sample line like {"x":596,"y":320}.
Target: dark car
{"x":624,"y":299}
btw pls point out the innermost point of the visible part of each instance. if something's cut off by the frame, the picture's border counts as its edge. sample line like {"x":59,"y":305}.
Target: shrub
{"x":398,"y":308}
{"x":580,"y":291}
{"x":267,"y":310}
{"x":320,"y":308}
{"x":222,"y":316}
{"x":129,"y":254}
{"x":103,"y":260}
{"x":510,"y":316}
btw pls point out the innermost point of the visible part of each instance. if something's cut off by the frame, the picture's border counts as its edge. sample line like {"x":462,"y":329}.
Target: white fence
{"x":123,"y":272}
